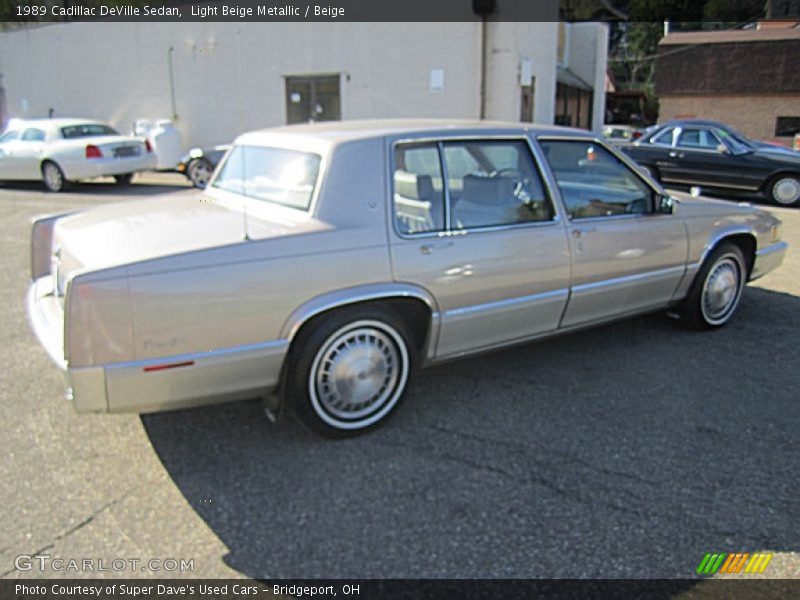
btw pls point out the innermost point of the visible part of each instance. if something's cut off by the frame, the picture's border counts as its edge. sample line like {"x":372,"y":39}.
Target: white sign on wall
{"x":437,"y":80}
{"x":526,"y":71}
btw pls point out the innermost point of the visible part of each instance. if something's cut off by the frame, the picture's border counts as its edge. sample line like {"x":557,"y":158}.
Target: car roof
{"x":334,"y":132}
{"x":705,"y":122}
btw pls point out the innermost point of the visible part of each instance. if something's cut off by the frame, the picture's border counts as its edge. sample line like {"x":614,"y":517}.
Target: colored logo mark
{"x":741,"y":562}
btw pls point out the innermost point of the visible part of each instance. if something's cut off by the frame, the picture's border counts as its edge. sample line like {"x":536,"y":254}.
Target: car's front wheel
{"x":785,"y":190}
{"x":716,"y":291}
{"x":199,"y":172}
{"x":53,"y":177}
{"x":348,"y":370}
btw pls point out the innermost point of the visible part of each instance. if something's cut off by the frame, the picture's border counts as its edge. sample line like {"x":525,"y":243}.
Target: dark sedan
{"x":712,"y":156}
{"x":200,"y":163}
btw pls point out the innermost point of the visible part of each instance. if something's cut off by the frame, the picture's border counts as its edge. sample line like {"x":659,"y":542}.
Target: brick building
{"x":749,"y":79}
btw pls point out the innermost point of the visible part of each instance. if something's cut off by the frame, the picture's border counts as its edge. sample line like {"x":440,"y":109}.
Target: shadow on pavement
{"x":628,"y":450}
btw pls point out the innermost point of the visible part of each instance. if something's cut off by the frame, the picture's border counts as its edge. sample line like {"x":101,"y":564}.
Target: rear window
{"x":277,"y":175}
{"x":9,"y":136}
{"x":86,"y":130}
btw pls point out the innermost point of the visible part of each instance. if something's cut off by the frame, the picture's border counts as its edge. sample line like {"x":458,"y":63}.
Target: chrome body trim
{"x":501,"y":304}
{"x":772,"y":248}
{"x":768,"y":259}
{"x":211,"y":354}
{"x":346,"y":297}
{"x":721,"y":235}
{"x":710,"y":184}
{"x":629,"y":279}
{"x":210,"y":377}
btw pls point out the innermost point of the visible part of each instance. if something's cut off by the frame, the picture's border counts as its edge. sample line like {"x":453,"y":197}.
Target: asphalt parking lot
{"x":628,"y":450}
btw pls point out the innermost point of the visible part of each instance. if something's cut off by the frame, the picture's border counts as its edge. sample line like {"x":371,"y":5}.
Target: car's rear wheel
{"x":785,"y":190}
{"x":124,"y":179}
{"x":717,"y":289}
{"x":53,"y":177}
{"x":348,"y":370}
{"x":199,"y":172}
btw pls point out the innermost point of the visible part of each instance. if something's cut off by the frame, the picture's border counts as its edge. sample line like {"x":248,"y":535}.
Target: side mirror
{"x":666,"y":205}
{"x":722,"y":149}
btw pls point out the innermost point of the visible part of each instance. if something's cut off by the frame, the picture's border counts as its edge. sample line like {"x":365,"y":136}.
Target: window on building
{"x":595,"y":183}
{"x":787,"y":126}
{"x":526,"y":102}
{"x":573,"y":106}
{"x":310,"y":99}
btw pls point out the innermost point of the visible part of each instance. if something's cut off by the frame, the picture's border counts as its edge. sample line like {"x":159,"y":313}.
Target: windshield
{"x":737,"y":145}
{"x":86,"y":130}
{"x":277,"y":175}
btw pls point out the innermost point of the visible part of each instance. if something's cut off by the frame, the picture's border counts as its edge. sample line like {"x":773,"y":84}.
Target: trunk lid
{"x":127,"y":232}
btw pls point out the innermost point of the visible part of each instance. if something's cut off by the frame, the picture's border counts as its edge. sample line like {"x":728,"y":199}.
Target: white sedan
{"x":58,"y":151}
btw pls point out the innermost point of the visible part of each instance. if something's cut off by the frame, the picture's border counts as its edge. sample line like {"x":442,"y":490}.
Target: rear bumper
{"x":768,"y":259}
{"x":152,"y":385}
{"x":101,"y":167}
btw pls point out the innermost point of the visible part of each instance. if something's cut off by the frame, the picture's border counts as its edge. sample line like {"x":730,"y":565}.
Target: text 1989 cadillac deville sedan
{"x":327,"y":261}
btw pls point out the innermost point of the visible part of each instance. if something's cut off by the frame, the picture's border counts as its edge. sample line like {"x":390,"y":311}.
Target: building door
{"x":526,"y":102}
{"x":314,"y":98}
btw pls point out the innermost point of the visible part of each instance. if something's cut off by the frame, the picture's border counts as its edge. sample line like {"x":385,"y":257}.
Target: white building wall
{"x":228,"y":77}
{"x":588,"y":59}
{"x":508,"y":44}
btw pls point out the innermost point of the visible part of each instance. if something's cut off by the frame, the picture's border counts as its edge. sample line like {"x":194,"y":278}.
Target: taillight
{"x":147,"y":146}
{"x":93,"y":152}
{"x":636,"y":135}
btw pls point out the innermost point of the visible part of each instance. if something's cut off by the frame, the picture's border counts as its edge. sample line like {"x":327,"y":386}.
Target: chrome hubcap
{"x":201,"y":174}
{"x":52,"y":176}
{"x":358,"y":374}
{"x":786,"y":190}
{"x":721,"y":291}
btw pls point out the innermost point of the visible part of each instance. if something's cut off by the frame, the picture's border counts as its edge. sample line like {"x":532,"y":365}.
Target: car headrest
{"x":416,"y":187}
{"x":488,"y":190}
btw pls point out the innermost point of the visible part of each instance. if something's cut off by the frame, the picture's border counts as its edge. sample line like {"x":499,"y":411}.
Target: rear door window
{"x":494,"y":183}
{"x":418,"y":189}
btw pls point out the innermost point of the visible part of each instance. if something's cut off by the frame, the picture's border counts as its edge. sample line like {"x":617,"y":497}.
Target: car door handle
{"x":428,"y":248}
{"x":579,"y":231}
{"x":675,"y":154}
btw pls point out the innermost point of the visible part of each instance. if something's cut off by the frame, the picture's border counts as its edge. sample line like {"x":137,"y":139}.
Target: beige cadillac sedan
{"x":326,"y":262}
